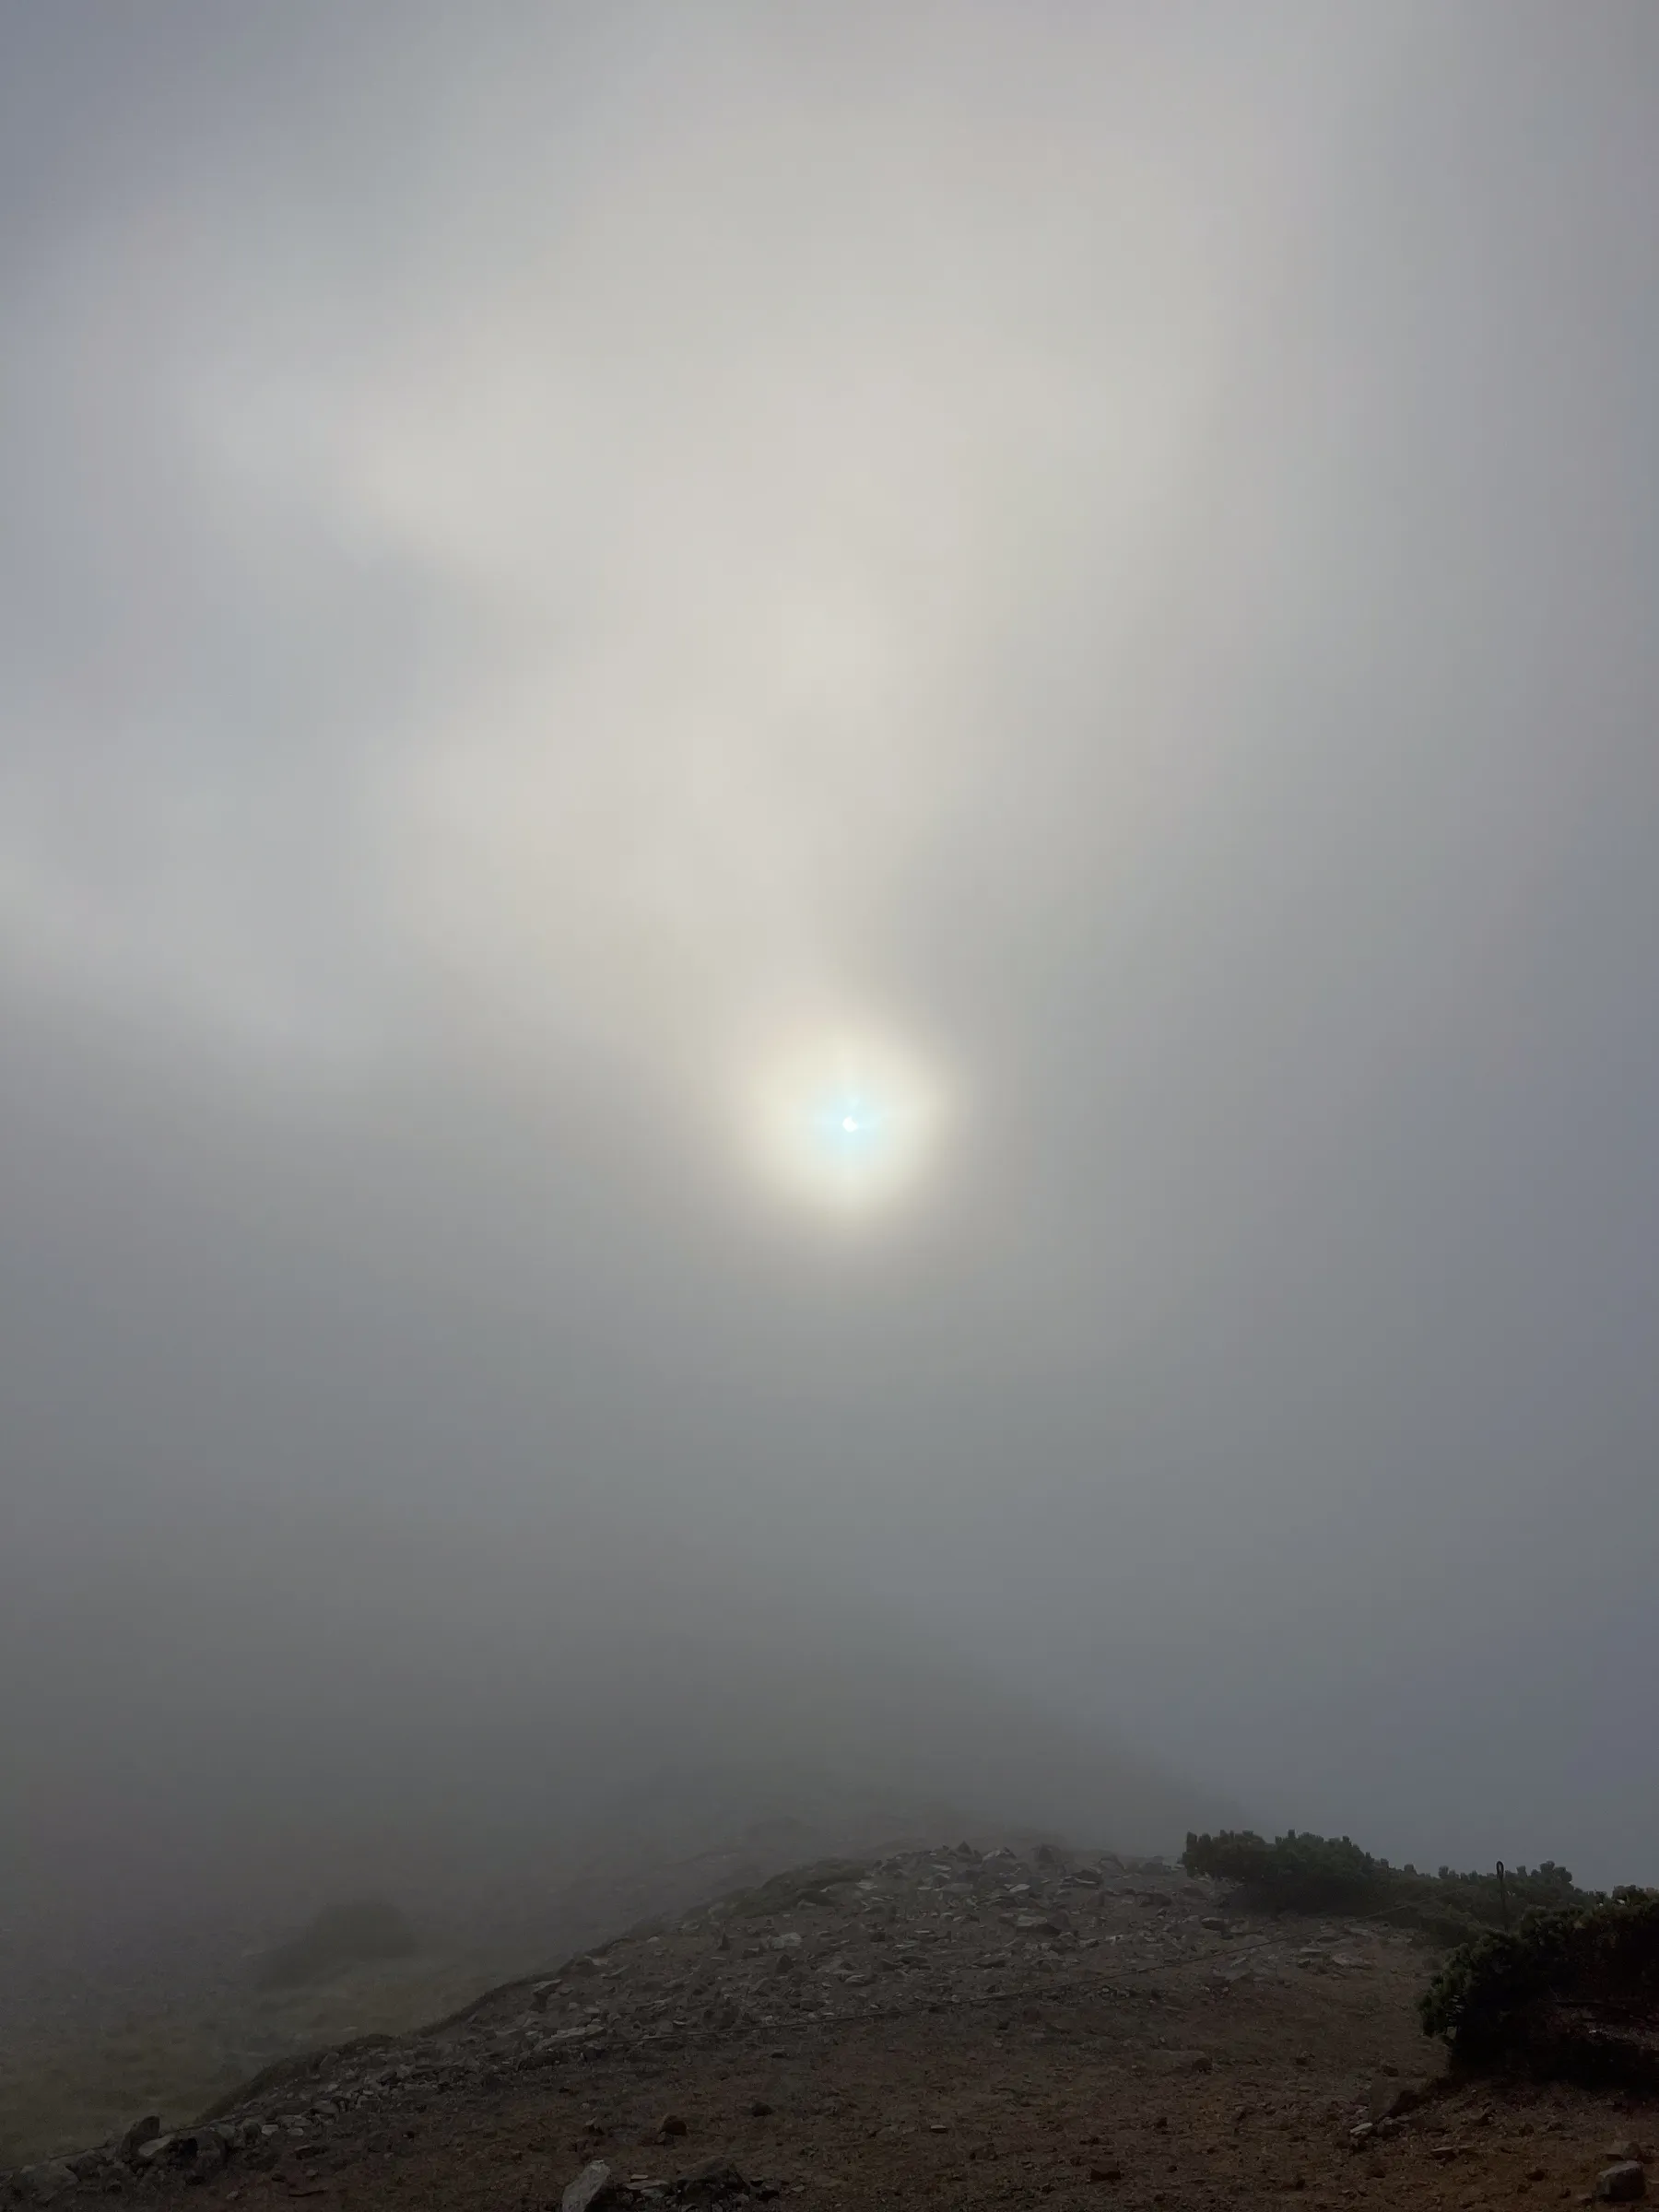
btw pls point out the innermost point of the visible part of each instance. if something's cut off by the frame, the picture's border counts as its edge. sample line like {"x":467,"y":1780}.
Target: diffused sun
{"x":845,"y":1123}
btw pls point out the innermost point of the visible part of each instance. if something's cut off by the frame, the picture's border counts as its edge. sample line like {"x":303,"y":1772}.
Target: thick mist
{"x":553,"y":563}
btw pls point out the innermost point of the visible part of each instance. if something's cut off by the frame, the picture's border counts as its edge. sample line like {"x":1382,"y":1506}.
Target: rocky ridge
{"x":953,"y":2025}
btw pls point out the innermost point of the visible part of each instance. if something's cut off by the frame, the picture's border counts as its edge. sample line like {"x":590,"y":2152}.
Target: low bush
{"x":1332,"y":1874}
{"x":1572,"y":1993}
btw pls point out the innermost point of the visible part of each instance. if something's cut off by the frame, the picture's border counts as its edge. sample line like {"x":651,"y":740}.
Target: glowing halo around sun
{"x":846,"y":1121}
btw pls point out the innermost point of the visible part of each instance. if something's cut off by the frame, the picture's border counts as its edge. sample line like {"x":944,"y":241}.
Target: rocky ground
{"x":93,"y":2031}
{"x":945,"y":2027}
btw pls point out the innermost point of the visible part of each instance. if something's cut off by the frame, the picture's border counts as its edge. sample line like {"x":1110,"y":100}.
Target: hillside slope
{"x":942,"y":2028}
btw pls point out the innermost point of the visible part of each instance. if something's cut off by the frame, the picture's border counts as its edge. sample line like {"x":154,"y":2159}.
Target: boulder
{"x":141,"y":2132}
{"x":201,"y":2154}
{"x":592,"y":2186}
{"x":1392,"y":2101}
{"x":1621,"y":2185}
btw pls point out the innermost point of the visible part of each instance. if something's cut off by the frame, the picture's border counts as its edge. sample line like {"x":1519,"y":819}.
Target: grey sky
{"x":544,"y":552}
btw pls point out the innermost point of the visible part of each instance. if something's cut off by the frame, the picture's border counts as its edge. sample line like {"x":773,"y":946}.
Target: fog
{"x":827,"y":934}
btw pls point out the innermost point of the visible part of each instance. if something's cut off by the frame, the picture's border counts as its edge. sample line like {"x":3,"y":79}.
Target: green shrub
{"x":1332,"y":1874}
{"x":1572,"y":1991}
{"x":1300,"y":1874}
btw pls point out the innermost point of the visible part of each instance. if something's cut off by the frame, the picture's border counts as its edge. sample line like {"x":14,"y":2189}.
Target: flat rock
{"x":44,"y":2183}
{"x":716,"y":2178}
{"x":591,"y":2185}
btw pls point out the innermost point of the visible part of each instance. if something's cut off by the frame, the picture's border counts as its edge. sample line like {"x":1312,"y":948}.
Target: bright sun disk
{"x":844,"y":1122}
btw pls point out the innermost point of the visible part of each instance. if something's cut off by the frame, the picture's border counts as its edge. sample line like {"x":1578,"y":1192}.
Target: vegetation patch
{"x":343,"y":1936}
{"x":1332,"y":1874}
{"x":1572,"y":1995}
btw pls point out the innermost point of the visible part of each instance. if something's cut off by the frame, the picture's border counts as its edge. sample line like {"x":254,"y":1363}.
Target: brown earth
{"x":941,"y":2030}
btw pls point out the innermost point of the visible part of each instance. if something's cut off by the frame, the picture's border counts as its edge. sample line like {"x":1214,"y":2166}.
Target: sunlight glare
{"x":845,"y":1121}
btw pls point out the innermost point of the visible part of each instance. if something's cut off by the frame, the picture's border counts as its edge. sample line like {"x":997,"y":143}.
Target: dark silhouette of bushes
{"x":1572,"y":1993}
{"x":1332,"y":1874}
{"x":342,"y":1935}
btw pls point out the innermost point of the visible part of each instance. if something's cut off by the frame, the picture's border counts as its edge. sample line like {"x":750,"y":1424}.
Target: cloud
{"x":546,"y":557}
{"x":608,"y":613}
